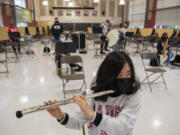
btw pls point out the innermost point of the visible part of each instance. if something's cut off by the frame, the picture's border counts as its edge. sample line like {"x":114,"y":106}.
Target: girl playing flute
{"x":113,"y":114}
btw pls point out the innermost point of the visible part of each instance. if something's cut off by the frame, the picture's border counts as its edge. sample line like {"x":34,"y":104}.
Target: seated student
{"x":163,"y":48}
{"x":112,"y":114}
{"x":14,"y":36}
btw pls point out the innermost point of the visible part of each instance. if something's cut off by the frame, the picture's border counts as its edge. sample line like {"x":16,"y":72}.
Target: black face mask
{"x":56,"y":22}
{"x":121,"y":86}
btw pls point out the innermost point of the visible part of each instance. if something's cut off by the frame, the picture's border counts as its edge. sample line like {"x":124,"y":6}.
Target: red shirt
{"x":12,"y":29}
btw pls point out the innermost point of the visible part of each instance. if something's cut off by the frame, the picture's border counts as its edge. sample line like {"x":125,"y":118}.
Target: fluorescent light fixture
{"x":122,"y":2}
{"x":70,"y":4}
{"x":67,"y":0}
{"x":96,"y":1}
{"x":45,"y":3}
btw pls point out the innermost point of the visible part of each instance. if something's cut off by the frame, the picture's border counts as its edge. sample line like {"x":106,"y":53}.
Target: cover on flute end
{"x":19,"y":114}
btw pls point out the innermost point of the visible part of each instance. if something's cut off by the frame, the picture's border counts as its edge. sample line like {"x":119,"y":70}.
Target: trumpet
{"x":23,"y":112}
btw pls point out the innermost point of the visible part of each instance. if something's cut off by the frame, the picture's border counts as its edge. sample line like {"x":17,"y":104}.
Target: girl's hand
{"x":87,"y":111}
{"x":56,"y":111}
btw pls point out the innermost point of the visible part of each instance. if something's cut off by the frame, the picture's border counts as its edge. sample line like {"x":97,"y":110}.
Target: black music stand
{"x":65,"y":47}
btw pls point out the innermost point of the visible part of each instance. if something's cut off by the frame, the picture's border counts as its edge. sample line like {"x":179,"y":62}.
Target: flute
{"x":23,"y":112}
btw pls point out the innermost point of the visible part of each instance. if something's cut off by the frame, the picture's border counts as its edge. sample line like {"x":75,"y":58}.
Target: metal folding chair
{"x":71,"y":77}
{"x":4,"y":61}
{"x":150,"y":71}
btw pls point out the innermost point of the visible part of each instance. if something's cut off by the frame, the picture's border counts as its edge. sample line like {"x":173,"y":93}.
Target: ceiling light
{"x":96,"y":1}
{"x":67,"y":0}
{"x":70,"y":4}
{"x":122,"y":2}
{"x":45,"y":3}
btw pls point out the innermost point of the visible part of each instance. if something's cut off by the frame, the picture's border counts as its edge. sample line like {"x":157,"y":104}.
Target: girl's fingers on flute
{"x":55,"y":101}
{"x":77,"y":102}
{"x":50,"y":102}
{"x":82,"y":96}
{"x":77,"y":99}
{"x":46,"y":103}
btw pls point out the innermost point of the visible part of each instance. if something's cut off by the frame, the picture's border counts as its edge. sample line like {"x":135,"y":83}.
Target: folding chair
{"x":152,"y":70}
{"x":71,"y":77}
{"x":4,"y":62}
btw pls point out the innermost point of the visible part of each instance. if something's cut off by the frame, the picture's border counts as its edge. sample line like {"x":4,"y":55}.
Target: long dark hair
{"x":109,"y":71}
{"x":164,"y":37}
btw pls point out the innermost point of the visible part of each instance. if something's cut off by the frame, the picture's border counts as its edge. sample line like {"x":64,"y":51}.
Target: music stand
{"x":65,"y":47}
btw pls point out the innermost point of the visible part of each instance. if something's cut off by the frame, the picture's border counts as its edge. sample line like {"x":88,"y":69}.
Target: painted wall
{"x":1,"y":23}
{"x":8,"y":14}
{"x":151,"y":13}
{"x":137,"y":12}
{"x":115,"y":19}
{"x":168,"y":16}
{"x":75,"y":19}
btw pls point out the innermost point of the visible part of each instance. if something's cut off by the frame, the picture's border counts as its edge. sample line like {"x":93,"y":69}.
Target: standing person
{"x":113,"y":114}
{"x":163,"y":48}
{"x":105,"y":26}
{"x":14,"y":36}
{"x":56,"y":30}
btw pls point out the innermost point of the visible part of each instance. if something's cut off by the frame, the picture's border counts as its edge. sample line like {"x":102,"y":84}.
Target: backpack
{"x":46,"y":50}
{"x":176,"y":61}
{"x":155,"y":62}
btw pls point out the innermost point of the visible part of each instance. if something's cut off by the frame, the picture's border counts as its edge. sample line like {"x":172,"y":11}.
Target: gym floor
{"x":33,"y":80}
